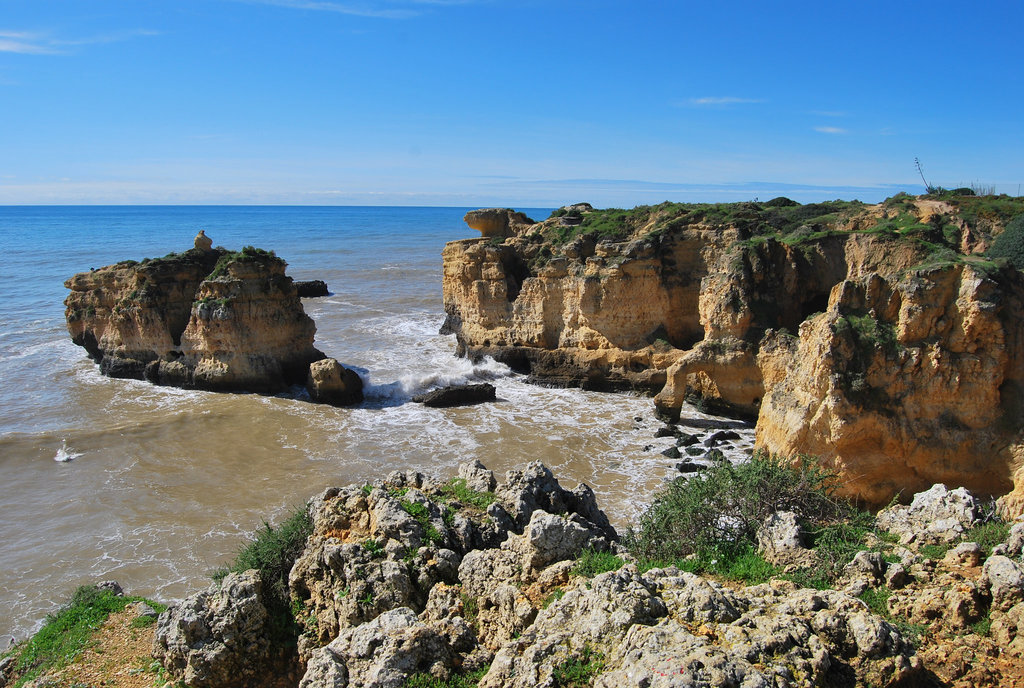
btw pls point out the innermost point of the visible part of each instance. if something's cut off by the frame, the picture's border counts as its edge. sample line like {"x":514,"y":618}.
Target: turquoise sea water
{"x":155,"y":487}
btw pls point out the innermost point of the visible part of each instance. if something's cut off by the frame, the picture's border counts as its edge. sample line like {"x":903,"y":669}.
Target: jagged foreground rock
{"x":402,"y":578}
{"x":876,"y":337}
{"x":206,"y":319}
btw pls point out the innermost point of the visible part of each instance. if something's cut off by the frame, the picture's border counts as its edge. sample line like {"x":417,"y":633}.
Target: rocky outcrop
{"x":206,"y":319}
{"x":410,"y":577}
{"x":873,"y":336}
{"x":311,"y":288}
{"x":904,"y":382}
{"x":497,"y":222}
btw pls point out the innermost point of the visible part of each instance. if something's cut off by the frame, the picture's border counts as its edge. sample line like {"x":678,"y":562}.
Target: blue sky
{"x":504,"y":102}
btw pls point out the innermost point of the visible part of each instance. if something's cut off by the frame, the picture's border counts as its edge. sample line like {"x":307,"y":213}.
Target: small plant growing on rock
{"x":273,"y":552}
{"x":592,"y":562}
{"x":457,"y":489}
{"x":578,"y":672}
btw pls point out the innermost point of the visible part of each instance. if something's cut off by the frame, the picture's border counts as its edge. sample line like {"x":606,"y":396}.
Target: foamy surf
{"x":64,"y":455}
{"x":454,"y":371}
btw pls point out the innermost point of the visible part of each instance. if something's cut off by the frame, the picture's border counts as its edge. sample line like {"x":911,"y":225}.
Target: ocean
{"x":156,"y":487}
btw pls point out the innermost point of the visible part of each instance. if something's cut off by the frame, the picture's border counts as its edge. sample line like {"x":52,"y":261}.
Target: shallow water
{"x":155,"y":487}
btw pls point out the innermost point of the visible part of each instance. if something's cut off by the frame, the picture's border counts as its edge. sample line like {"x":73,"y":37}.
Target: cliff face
{"x":903,"y":382}
{"x":213,"y":320}
{"x":677,"y":300}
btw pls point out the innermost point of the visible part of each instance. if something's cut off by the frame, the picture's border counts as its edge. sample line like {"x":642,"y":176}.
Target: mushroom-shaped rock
{"x":497,"y":222}
{"x":330,"y":382}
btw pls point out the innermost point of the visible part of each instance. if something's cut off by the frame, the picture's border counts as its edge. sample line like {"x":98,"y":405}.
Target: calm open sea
{"x":155,"y":487}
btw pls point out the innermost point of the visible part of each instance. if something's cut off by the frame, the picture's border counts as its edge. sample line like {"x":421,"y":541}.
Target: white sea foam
{"x":64,"y":454}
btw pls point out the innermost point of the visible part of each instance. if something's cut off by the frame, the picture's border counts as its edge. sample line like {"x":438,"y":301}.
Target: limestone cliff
{"x":677,"y":299}
{"x":209,"y":319}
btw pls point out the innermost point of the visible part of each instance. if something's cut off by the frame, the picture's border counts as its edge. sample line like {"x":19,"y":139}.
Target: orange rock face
{"x":904,"y":382}
{"x":205,"y":319}
{"x":837,"y":336}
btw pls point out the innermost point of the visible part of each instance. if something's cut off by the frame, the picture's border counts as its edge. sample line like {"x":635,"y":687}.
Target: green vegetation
{"x":457,"y":489}
{"x":1010,"y":244}
{"x":373,"y":548}
{"x":989,"y":534}
{"x":717,"y":513}
{"x":592,"y":562}
{"x":249,"y":254}
{"x":454,"y":681}
{"x":272,"y":553}
{"x":578,"y":672}
{"x":708,"y":524}
{"x":422,"y":515}
{"x":67,"y":632}
{"x":470,"y":609}
{"x":868,"y":332}
{"x":553,"y":597}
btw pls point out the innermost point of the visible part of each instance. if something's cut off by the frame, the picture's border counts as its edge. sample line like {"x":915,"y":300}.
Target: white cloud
{"x":359,"y":10}
{"x":830,"y":130}
{"x":27,"y":43}
{"x":723,"y":100}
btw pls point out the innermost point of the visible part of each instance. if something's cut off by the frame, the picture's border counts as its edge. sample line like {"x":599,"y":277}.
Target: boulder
{"x":311,"y":288}
{"x":218,"y":638}
{"x":935,"y":516}
{"x":329,"y":382}
{"x":780,"y":540}
{"x":497,"y":222}
{"x":457,"y":395}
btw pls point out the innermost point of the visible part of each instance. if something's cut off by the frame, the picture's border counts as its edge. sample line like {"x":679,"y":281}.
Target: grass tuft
{"x":592,"y":562}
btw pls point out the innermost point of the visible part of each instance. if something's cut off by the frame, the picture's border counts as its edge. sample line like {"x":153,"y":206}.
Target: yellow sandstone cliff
{"x":747,"y":309}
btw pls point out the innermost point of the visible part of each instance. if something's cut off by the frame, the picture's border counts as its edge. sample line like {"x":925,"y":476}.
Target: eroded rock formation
{"x":747,"y":308}
{"x":206,"y":319}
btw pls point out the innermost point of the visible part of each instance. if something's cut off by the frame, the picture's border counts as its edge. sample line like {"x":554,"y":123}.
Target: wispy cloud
{"x":355,"y":9}
{"x":830,"y":130}
{"x":27,"y":43}
{"x":723,"y":100}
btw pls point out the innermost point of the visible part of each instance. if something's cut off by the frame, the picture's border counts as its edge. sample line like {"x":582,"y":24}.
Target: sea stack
{"x":206,"y":318}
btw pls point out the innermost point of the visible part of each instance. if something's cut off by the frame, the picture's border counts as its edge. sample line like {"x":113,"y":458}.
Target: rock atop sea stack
{"x":457,"y":395}
{"x":330,"y":382}
{"x":203,"y":242}
{"x":497,"y":222}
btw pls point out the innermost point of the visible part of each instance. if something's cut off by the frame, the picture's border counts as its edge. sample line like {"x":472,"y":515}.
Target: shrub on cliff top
{"x":273,"y":553}
{"x":716,"y":514}
{"x":1010,"y":244}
